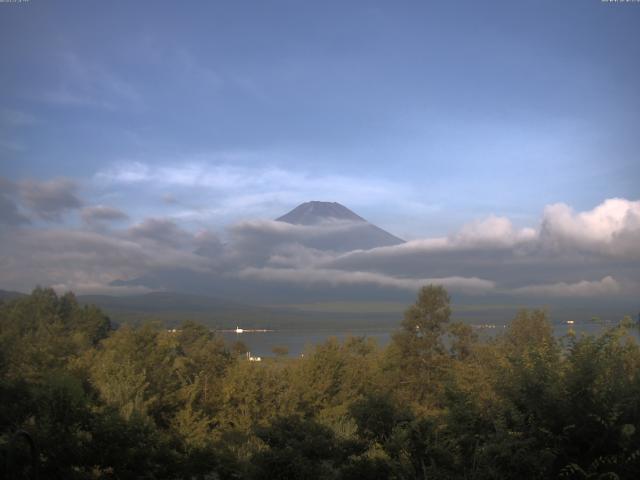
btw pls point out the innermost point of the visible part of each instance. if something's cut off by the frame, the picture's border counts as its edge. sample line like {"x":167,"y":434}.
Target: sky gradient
{"x":426,"y":118}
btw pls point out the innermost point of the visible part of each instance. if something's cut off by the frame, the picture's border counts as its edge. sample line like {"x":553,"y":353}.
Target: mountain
{"x":340,"y":229}
{"x":325,"y":226}
{"x":313,"y":213}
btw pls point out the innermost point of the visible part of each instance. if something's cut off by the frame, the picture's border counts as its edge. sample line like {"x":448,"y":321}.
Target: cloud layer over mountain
{"x":568,"y":254}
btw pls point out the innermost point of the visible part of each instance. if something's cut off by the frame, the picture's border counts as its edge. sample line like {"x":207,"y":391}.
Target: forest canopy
{"x":82,"y":400}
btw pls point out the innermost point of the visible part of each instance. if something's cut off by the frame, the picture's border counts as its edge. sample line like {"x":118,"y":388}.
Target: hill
{"x":172,"y":308}
{"x":10,"y":295}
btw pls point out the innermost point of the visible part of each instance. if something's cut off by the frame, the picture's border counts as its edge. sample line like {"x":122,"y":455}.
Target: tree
{"x":418,"y":352}
{"x":376,"y":417}
{"x":462,"y":340}
{"x":298,"y":448}
{"x":333,"y":374}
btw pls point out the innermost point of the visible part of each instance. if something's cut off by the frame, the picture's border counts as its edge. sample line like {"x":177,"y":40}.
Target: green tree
{"x":298,"y":448}
{"x":377,"y":416}
{"x":333,"y":374}
{"x":417,"y":353}
{"x":42,"y":332}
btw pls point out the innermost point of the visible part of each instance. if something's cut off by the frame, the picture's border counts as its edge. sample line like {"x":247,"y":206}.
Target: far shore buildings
{"x":253,"y":359}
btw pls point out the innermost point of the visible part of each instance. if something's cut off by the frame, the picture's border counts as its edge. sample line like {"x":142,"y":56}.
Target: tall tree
{"x":417,"y":350}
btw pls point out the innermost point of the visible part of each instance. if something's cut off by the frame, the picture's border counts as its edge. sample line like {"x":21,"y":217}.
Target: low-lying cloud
{"x":100,"y":214}
{"x":49,"y":199}
{"x":27,"y":200}
{"x":568,"y":254}
{"x":337,"y":278}
{"x":9,"y":213}
{"x":606,"y":286}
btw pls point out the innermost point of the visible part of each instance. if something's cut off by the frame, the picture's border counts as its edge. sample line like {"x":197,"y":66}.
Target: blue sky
{"x":420,"y":116}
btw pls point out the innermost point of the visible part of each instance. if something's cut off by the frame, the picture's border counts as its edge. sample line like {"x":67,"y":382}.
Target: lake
{"x":297,"y":340}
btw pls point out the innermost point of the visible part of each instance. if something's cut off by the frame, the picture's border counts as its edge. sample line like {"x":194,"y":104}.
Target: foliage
{"x":144,"y":402}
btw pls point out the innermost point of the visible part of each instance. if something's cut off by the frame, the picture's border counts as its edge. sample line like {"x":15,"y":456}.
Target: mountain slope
{"x":343,"y":229}
{"x":325,"y":226}
{"x":312,"y":213}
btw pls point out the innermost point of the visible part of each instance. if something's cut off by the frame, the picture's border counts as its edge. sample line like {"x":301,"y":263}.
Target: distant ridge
{"x":359,"y":235}
{"x":173,"y":308}
{"x":10,"y":295}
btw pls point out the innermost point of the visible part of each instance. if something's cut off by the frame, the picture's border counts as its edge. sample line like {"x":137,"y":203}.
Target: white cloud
{"x":224,"y":190}
{"x":492,"y":231}
{"x":97,"y":288}
{"x":225,"y":176}
{"x":607,"y":286}
{"x":83,"y":259}
{"x":560,"y":259}
{"x":611,"y":228}
{"x":341,"y":277}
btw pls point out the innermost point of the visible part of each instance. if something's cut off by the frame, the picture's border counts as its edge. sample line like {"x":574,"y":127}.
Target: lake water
{"x":262,"y":343}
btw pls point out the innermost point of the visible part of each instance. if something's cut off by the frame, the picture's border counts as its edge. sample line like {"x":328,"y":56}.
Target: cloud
{"x":218,"y":189}
{"x":262,"y":242}
{"x":612,"y":228}
{"x":340,"y":277}
{"x":84,"y":259}
{"x":84,"y":83}
{"x":272,"y":231}
{"x":481,"y":237}
{"x":491,"y":232}
{"x":49,"y":199}
{"x":224,"y":175}
{"x":169,"y":199}
{"x":97,"y":288}
{"x":607,"y":286}
{"x":262,"y":182}
{"x":99,"y":213}
{"x":567,"y":251}
{"x":9,"y":214}
{"x":208,"y":244}
{"x":9,"y":211}
{"x":161,"y":231}
{"x":567,"y":255}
